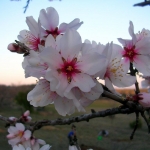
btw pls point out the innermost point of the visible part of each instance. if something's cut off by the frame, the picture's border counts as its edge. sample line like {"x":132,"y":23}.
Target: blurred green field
{"x":87,"y":132}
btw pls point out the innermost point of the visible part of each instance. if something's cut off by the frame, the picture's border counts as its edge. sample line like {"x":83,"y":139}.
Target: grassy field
{"x":87,"y":132}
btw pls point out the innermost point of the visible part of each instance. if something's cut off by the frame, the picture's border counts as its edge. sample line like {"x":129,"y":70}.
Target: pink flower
{"x":18,"y":134}
{"x":33,"y":65}
{"x":136,"y":51}
{"x":41,"y":96}
{"x":50,"y":20}
{"x":25,"y":117}
{"x":31,"y":38}
{"x":115,"y":72}
{"x":68,"y":67}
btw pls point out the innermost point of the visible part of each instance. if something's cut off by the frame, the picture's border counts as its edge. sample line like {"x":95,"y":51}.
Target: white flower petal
{"x":63,"y":105}
{"x":131,"y":32}
{"x":75,"y":24}
{"x":78,"y":81}
{"x":20,"y":126}
{"x":40,"y":141}
{"x":27,"y":134}
{"x":50,"y":41}
{"x":33,"y":25}
{"x":70,"y":44}
{"x":125,"y":81}
{"x":85,"y":102}
{"x":141,"y":64}
{"x":63,"y":27}
{"x":50,"y":55}
{"x":95,"y":92}
{"x":93,"y":66}
{"x":50,"y":19}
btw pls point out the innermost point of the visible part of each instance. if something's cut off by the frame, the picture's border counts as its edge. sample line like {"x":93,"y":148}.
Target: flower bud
{"x":13,"y":47}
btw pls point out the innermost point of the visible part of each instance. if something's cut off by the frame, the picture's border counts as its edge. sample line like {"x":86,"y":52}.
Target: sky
{"x":104,"y":21}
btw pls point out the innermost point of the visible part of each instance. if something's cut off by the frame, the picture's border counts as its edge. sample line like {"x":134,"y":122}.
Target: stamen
{"x":69,"y":68}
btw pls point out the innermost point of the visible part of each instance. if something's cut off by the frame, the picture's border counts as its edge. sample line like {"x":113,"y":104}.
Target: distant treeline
{"x":8,"y":93}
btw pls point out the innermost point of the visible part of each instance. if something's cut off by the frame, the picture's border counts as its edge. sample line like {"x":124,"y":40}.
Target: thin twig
{"x":27,"y":5}
{"x":148,"y":125}
{"x":136,"y":125}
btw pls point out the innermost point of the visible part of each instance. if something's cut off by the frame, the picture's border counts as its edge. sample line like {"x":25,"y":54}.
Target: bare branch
{"x":5,"y":119}
{"x":114,"y":97}
{"x":136,"y":125}
{"x":142,"y":4}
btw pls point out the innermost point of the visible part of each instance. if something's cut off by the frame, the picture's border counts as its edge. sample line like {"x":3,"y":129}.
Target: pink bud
{"x":13,"y":47}
{"x":27,"y":113}
{"x":12,"y":118}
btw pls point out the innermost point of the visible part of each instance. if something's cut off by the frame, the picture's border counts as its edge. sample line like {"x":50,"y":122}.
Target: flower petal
{"x":50,"y":19}
{"x":93,"y":66}
{"x":20,"y":126}
{"x":78,"y":81}
{"x":70,"y":44}
{"x":27,"y":134}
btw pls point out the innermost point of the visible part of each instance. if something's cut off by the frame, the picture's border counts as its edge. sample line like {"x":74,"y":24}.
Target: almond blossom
{"x":116,"y":71}
{"x":50,"y":20}
{"x":136,"y":51}
{"x":18,"y":134}
{"x":25,"y":117}
{"x":33,"y":66}
{"x":31,"y":38}
{"x":68,"y":68}
{"x":41,"y":96}
{"x":86,"y":98}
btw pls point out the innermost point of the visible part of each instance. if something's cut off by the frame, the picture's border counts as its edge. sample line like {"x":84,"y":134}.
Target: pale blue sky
{"x":104,"y":21}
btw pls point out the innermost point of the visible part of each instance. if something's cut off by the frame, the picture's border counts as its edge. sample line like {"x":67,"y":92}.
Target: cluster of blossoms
{"x":68,"y":69}
{"x":20,"y":138}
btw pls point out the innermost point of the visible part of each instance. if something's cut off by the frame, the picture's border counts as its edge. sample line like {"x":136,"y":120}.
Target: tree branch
{"x":27,"y":5}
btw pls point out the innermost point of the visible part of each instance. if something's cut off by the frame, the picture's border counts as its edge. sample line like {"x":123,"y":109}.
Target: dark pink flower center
{"x":130,"y":53}
{"x":69,"y":68}
{"x":54,"y":32}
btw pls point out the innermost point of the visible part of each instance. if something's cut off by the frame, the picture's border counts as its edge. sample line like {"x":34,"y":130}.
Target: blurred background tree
{"x":21,"y":99}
